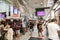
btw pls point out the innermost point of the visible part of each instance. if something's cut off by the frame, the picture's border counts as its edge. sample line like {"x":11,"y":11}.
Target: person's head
{"x":48,"y":21}
{"x":14,"y":22}
{"x":7,"y":25}
{"x":54,"y":20}
{"x":30,"y":21}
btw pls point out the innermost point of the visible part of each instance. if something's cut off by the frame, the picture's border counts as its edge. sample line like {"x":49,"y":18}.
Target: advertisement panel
{"x":15,"y":12}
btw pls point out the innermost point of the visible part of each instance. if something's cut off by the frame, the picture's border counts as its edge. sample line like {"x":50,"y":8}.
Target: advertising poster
{"x":15,"y":12}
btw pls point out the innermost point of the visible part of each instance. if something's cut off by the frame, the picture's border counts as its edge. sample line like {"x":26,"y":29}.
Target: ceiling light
{"x":58,"y":7}
{"x":59,"y":0}
{"x":41,"y":3}
{"x":55,"y":6}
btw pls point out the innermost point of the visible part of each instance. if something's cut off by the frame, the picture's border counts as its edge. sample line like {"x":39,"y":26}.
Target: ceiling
{"x":30,"y":5}
{"x":34,"y":4}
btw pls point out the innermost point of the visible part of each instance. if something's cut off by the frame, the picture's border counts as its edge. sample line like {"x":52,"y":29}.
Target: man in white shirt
{"x":53,"y":29}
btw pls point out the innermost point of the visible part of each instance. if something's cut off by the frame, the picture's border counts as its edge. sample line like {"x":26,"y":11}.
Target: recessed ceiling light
{"x":41,"y":2}
{"x":55,"y":6}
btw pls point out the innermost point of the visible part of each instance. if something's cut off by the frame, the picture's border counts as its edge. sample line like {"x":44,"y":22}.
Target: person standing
{"x":40,"y":29}
{"x":53,"y":29}
{"x":24,"y":26}
{"x":31,"y":27}
{"x":9,"y":34}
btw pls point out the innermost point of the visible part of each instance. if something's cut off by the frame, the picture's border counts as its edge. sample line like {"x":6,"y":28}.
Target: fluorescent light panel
{"x":55,"y":6}
{"x":58,"y":7}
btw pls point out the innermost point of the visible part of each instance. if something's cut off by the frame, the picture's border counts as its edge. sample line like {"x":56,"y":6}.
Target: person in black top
{"x":31,"y":26}
{"x":39,"y":27}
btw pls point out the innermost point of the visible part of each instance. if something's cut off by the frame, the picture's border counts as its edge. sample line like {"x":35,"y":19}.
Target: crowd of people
{"x":11,"y":30}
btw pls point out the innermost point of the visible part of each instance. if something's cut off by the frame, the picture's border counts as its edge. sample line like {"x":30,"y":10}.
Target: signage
{"x":15,"y":12}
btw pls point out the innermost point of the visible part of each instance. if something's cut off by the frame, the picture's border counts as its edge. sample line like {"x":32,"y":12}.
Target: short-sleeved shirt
{"x":52,"y":30}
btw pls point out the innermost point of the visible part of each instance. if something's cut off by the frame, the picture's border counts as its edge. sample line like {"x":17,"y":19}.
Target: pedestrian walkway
{"x":25,"y":37}
{"x":34,"y":35}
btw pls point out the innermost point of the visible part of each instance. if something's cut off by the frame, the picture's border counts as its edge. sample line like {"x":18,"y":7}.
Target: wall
{"x":4,"y":7}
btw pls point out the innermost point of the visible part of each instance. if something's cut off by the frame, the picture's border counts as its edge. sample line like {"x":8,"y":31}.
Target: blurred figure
{"x":17,"y":31}
{"x":1,"y":25}
{"x":24,"y":26}
{"x":9,"y":34}
{"x":31,"y":26}
{"x":1,"y":28}
{"x":21,"y":29}
{"x":53,"y":29}
{"x":46,"y":23}
{"x":18,"y":28}
{"x":40,"y":29}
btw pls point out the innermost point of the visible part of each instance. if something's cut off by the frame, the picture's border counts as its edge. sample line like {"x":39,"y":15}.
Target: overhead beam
{"x":9,"y":1}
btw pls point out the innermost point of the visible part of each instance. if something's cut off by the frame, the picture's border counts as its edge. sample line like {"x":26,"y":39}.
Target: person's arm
{"x":37,"y":26}
{"x":58,"y":32}
{"x":58,"y":29}
{"x":5,"y":29}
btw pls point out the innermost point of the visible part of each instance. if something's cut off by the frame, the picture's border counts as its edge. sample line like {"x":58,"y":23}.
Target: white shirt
{"x":9,"y":34}
{"x":52,"y":30}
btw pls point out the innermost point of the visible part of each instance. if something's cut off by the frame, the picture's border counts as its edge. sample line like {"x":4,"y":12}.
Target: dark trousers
{"x":49,"y":39}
